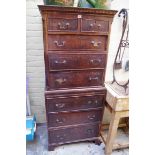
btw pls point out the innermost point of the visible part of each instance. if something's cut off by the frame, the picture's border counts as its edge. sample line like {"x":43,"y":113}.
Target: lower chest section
{"x":73,"y":115}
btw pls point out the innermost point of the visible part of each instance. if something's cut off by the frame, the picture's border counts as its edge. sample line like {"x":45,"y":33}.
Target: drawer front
{"x":74,"y":103}
{"x":62,"y":23}
{"x":73,"y":118}
{"x":73,"y":133}
{"x":94,"y":24}
{"x":71,"y":79}
{"x":76,"y":61}
{"x":75,"y":42}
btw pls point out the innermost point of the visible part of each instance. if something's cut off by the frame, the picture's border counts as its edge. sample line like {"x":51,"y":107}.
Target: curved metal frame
{"x":125,"y":21}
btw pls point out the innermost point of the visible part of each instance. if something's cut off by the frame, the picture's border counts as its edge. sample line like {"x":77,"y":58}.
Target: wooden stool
{"x":117,"y":104}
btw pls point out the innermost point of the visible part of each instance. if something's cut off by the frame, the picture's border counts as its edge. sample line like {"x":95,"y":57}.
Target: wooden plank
{"x":108,"y":107}
{"x":121,"y":140}
{"x":123,"y":114}
{"x":112,"y":132}
{"x":116,"y":101}
{"x":106,"y":126}
{"x":103,"y":137}
{"x":116,"y":90}
{"x":122,"y":104}
{"x":111,"y":99}
{"x":120,"y":146}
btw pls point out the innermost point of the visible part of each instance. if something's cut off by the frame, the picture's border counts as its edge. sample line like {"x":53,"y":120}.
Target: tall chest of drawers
{"x":75,"y":52}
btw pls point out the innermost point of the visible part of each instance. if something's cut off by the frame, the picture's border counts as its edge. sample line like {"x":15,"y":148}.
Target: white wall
{"x":35,"y":60}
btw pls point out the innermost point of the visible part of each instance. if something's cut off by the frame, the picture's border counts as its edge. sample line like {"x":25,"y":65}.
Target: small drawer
{"x":94,"y":24}
{"x":62,"y":23}
{"x":76,"y":42}
{"x":71,"y":79}
{"x":73,"y":103}
{"x":73,"y":118}
{"x":75,"y":61}
{"x":72,"y":134}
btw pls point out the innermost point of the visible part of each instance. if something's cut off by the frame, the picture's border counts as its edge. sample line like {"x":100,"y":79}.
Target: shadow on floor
{"x":39,"y":146}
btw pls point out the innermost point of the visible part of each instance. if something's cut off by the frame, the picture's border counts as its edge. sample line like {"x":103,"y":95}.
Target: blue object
{"x":84,"y":4}
{"x":30,"y":127}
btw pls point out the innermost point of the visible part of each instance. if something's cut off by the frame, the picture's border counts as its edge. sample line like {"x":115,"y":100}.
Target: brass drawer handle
{"x":60,"y":120}
{"x":59,"y":44}
{"x":95,"y":61}
{"x":95,"y":43}
{"x":93,"y":78}
{"x":94,"y":25}
{"x":90,"y":131}
{"x":96,"y":102}
{"x":61,"y":80}
{"x":62,"y":26}
{"x":60,"y":105}
{"x":61,"y":137}
{"x":91,"y":117}
{"x":99,"y":26}
{"x":89,"y":102}
{"x":91,"y":25}
{"x":60,"y":62}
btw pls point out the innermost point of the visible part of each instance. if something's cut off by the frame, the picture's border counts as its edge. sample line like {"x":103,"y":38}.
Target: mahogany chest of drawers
{"x":75,"y":52}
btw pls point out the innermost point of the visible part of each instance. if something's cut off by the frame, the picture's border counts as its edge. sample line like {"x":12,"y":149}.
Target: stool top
{"x":116,"y":97}
{"x":117,"y":90}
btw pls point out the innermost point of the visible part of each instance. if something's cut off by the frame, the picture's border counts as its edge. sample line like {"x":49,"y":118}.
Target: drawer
{"x":94,"y":24}
{"x":58,"y":22}
{"x":71,"y":134}
{"x":73,"y":118}
{"x":76,"y":42}
{"x":73,"y":103}
{"x":76,"y":61}
{"x":71,"y":79}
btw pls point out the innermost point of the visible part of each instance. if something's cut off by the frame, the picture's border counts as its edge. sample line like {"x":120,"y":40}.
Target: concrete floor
{"x":39,"y":147}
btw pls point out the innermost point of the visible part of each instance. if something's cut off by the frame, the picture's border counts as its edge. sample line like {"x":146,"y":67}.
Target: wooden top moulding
{"x":49,"y":8}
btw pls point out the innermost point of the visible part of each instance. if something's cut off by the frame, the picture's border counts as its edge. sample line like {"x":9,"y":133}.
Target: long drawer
{"x":71,"y":134}
{"x":76,"y":42}
{"x":72,"y":79}
{"x":75,"y":61}
{"x":73,"y":118}
{"x":74,"y":103}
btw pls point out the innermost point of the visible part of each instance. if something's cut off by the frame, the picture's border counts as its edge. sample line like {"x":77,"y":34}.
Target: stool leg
{"x":112,"y":132}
